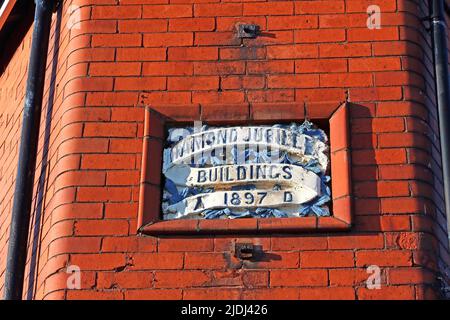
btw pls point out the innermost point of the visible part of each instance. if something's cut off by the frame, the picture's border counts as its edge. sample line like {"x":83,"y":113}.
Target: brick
{"x":104,"y":261}
{"x":349,"y":277}
{"x":140,"y":83}
{"x":101,"y":227}
{"x":94,"y":295}
{"x":230,"y":23}
{"x":345,"y":50}
{"x":188,"y":112}
{"x":306,"y":278}
{"x":119,"y":244}
{"x":99,"y":129}
{"x":356,"y":242}
{"x":116,"y":40}
{"x":193,"y":53}
{"x":291,"y":22}
{"x":181,"y":244}
{"x":320,"y":66}
{"x":256,"y":279}
{"x":272,"y":294}
{"x":178,"y":39}
{"x":157,"y":261}
{"x":378,"y":125}
{"x":183,"y":60}
{"x":90,"y":54}
{"x":284,"y":260}
{"x":245,"y":82}
{"x":116,"y":12}
{"x":78,"y":210}
{"x":74,"y":245}
{"x":385,"y":156}
{"x":89,"y":85}
{"x":293,"y":81}
{"x":167,"y":11}
{"x":299,"y":243}
{"x":204,"y":261}
{"x":79,"y":178}
{"x":122,"y":178}
{"x":154,"y":294}
{"x":374,"y":64}
{"x":214,"y":10}
{"x":140,"y":26}
{"x":217,"y":112}
{"x":286,"y":95}
{"x":124,"y":280}
{"x":197,"y":83}
{"x":410,"y":276}
{"x":219,"y":68}
{"x":246,"y":53}
{"x":110,"y":99}
{"x":319,"y":7}
{"x":362,"y":5}
{"x":341,"y":293}
{"x":346,"y":80}
{"x":192,"y":24}
{"x":319,"y":36}
{"x":364,"y":35}
{"x":120,"y":210}
{"x":180,"y":279}
{"x":382,"y":189}
{"x":141,"y":54}
{"x":260,"y":67}
{"x":402,"y":205}
{"x":383,"y":258}
{"x":114,"y":194}
{"x":269,"y":8}
{"x":125,"y":146}
{"x":211,"y":294}
{"x":216,"y":39}
{"x":79,"y":28}
{"x":319,"y":259}
{"x":404,"y":140}
{"x":127,"y":114}
{"x":292,"y":51}
{"x":167,"y":68}
{"x":227,"y":278}
{"x":355,"y":20}
{"x":395,"y":48}
{"x":395,"y":223}
{"x":327,"y":94}
{"x":387,"y":293}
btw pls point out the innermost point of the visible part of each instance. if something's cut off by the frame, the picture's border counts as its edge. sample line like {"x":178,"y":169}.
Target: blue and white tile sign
{"x":245,"y":171}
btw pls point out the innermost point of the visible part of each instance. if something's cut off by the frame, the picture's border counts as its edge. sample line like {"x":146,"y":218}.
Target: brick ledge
{"x":246,"y":226}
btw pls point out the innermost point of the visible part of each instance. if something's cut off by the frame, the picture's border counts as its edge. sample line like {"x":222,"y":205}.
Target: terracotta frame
{"x":157,"y":117}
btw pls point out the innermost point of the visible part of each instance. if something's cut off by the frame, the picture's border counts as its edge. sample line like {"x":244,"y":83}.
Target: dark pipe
{"x":20,"y":221}
{"x":439,"y":28}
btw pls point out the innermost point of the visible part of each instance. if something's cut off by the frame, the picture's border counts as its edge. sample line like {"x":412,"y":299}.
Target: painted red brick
{"x":139,"y":54}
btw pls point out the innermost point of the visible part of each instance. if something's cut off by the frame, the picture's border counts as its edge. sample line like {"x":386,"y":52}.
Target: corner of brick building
{"x":118,"y":60}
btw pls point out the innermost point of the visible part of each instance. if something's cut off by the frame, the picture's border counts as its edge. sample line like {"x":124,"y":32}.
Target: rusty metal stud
{"x":244,"y":251}
{"x":248,"y":30}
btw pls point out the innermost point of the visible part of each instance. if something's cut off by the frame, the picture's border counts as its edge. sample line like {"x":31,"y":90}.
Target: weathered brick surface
{"x":126,"y":55}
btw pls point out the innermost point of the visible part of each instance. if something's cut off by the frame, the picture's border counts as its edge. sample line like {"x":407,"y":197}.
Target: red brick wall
{"x":12,"y":88}
{"x":120,"y":58}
